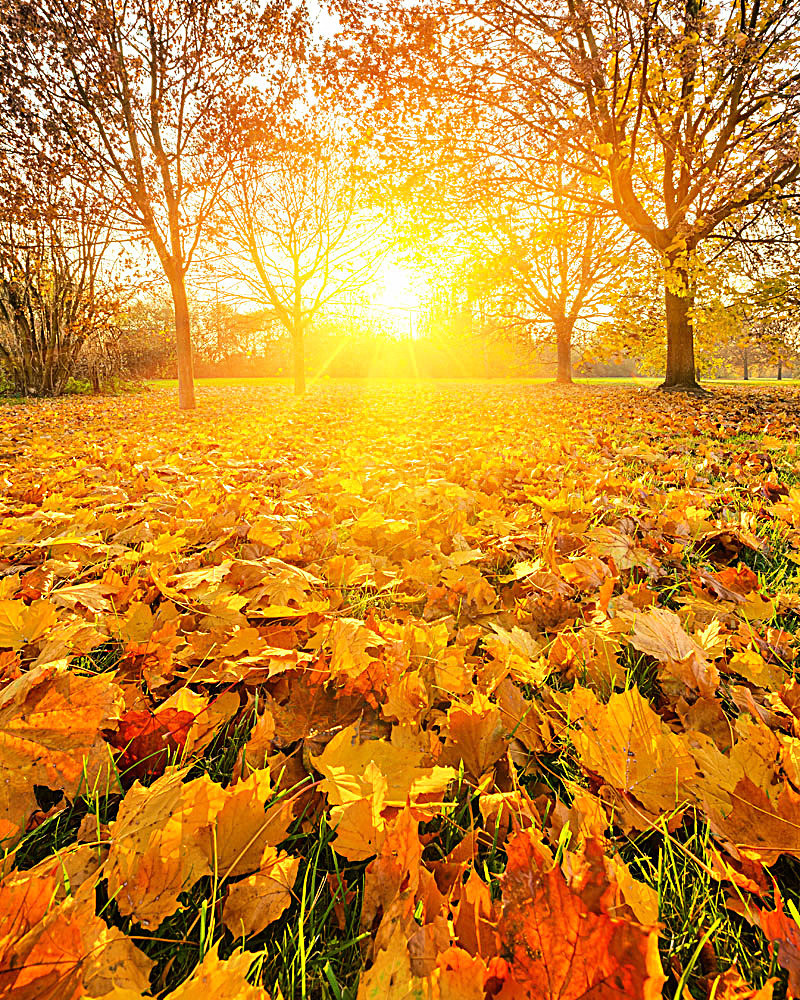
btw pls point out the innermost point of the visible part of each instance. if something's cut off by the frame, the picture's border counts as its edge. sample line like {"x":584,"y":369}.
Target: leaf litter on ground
{"x":401,"y":690}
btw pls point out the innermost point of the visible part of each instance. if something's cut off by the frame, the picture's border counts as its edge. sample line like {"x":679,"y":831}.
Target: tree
{"x":56,"y":294}
{"x":150,"y":98}
{"x":539,"y":244}
{"x":771,"y":319}
{"x":222,"y":330}
{"x":754,"y":274}
{"x":679,"y":113}
{"x":518,"y":228}
{"x":296,"y":234}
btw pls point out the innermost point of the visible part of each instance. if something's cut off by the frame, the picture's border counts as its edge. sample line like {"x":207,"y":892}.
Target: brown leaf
{"x":394,"y":870}
{"x":475,"y":734}
{"x":659,"y":633}
{"x":258,"y":900}
{"x":730,"y":584}
{"x":731,"y":986}
{"x":782,"y":933}
{"x":53,"y":952}
{"x":759,"y":827}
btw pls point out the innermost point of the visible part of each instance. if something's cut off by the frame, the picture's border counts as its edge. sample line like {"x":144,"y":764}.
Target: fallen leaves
{"x":660,"y":634}
{"x":644,"y":766}
{"x":63,"y":951}
{"x":563,"y":946}
{"x":50,"y":735}
{"x":221,"y":979}
{"x":412,"y":669}
{"x":147,"y":739}
{"x":22,"y":623}
{"x":258,"y":900}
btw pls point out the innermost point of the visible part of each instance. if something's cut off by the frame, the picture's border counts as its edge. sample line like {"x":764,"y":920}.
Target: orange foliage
{"x":453,"y":624}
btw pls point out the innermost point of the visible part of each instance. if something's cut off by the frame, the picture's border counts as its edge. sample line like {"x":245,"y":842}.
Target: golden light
{"x":399,"y":291}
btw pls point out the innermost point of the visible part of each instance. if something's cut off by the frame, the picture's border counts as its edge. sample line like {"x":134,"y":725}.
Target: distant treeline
{"x":364,"y":357}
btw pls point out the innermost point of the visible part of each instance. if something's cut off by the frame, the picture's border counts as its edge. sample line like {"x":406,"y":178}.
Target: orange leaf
{"x":560,"y":948}
{"x":147,"y":740}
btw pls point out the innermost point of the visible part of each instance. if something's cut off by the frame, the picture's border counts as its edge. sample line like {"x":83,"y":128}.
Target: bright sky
{"x":400,"y":291}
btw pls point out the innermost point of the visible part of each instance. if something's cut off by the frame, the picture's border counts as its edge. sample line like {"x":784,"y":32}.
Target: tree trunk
{"x":681,"y":373}
{"x":183,"y":343}
{"x":299,"y":364}
{"x":745,"y":369}
{"x":780,"y":369}
{"x":564,"y":351}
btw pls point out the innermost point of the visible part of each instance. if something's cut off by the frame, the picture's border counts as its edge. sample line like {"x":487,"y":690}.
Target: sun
{"x":399,"y":292}
{"x":396,"y":286}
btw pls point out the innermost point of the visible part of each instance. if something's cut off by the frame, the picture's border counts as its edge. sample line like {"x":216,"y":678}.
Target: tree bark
{"x":780,"y":369}
{"x":745,"y":369}
{"x":681,"y":372}
{"x":564,"y":351}
{"x":183,"y":343}
{"x":299,"y":363}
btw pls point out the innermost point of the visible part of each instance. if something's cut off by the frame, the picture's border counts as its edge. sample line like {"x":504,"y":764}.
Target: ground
{"x":401,"y":690}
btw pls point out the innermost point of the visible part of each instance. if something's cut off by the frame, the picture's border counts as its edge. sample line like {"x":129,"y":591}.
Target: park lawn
{"x":401,"y":689}
{"x":642,"y":381}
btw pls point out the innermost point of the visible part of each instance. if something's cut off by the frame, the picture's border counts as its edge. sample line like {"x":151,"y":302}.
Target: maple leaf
{"x":561,"y":948}
{"x":73,"y":865}
{"x":476,"y":735}
{"x":93,"y":596}
{"x":659,"y":633}
{"x":311,"y":709}
{"x":406,"y":699}
{"x":239,"y":828}
{"x":254,"y":753}
{"x":781,"y":931}
{"x":222,"y":980}
{"x":731,"y":986}
{"x":475,"y":919}
{"x":258,"y":900}
{"x":343,"y":764}
{"x":21,"y":623}
{"x":751,"y":665}
{"x":390,"y":977}
{"x":519,"y":653}
{"x":151,"y":660}
{"x":459,"y":976}
{"x":154,"y":855}
{"x":273,"y":588}
{"x":627,"y":744}
{"x":621,"y":547}
{"x":395,"y":869}
{"x":760,"y":827}
{"x":359,"y":824}
{"x":349,"y":642}
{"x":138,"y":623}
{"x":50,"y":722}
{"x":522,"y":719}
{"x":146,"y":740}
{"x":730,"y":584}
{"x":63,"y":951}
{"x":169,"y":835}
{"x":207,"y":715}
{"x":725,"y":544}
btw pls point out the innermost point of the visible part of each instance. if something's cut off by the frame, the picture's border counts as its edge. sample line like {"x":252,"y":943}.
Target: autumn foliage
{"x":478,"y":678}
